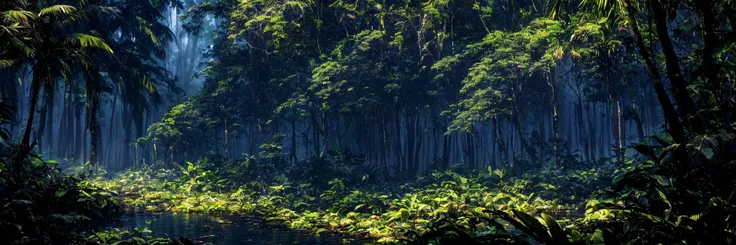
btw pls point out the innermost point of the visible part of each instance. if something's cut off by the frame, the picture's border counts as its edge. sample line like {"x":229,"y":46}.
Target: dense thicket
{"x":326,"y":93}
{"x":412,"y":85}
{"x":421,"y":85}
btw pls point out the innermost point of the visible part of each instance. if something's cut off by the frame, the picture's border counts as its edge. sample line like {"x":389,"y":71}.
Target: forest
{"x":368,"y":122}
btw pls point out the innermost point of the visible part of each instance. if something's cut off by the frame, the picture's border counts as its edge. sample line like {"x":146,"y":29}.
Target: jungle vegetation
{"x":403,"y":121}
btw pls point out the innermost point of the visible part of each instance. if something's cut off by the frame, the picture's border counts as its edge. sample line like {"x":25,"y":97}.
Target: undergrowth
{"x":363,"y":205}
{"x":40,"y":204}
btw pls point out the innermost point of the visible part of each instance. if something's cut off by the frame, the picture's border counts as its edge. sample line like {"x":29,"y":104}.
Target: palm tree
{"x":12,"y":48}
{"x":54,"y":50}
{"x":12,"y":51}
{"x":139,"y":39}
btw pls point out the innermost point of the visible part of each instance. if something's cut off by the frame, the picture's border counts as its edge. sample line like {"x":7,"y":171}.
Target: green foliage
{"x":40,"y":205}
{"x":485,"y":207}
{"x":676,"y":199}
{"x":314,"y":64}
{"x":499,"y":66}
{"x":331,"y":195}
{"x":138,"y":236}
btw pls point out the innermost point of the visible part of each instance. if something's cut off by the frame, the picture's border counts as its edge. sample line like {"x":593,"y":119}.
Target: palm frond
{"x":556,"y":9}
{"x":57,"y":9}
{"x":145,"y":27}
{"x":24,"y":49}
{"x":11,"y":29}
{"x":89,"y":41}
{"x":603,"y":8}
{"x":17,"y":16}
{"x":87,"y":14}
{"x":163,"y":32}
{"x":5,"y":63}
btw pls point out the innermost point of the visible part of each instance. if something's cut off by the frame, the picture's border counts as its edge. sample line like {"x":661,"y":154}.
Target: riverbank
{"x":380,"y":213}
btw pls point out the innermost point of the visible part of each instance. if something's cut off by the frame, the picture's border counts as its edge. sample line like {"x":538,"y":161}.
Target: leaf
{"x":667,"y":211}
{"x":538,"y":230}
{"x":19,"y":16}
{"x":597,"y":237}
{"x":61,"y":193}
{"x":644,"y":149}
{"x":662,"y":180}
{"x":709,"y":144}
{"x":576,"y":236}
{"x":89,"y":41}
{"x":57,"y":9}
{"x":555,"y":230}
{"x":704,"y":144}
{"x":22,"y":201}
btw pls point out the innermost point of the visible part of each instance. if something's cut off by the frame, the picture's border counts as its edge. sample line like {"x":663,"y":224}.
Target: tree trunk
{"x":127,"y":122}
{"x":315,"y":134}
{"x":518,"y":124}
{"x":591,"y":132}
{"x":63,"y":111}
{"x":227,"y":140}
{"x":501,"y":145}
{"x":512,"y":11}
{"x":25,"y":144}
{"x":70,"y":136}
{"x":51,"y":122}
{"x":41,"y":132}
{"x":112,"y":119}
{"x":410,"y":134}
{"x":138,"y":134}
{"x":93,"y":123}
{"x":682,"y":96}
{"x":676,"y":129}
{"x":417,"y":146}
{"x":79,"y":129}
{"x":445,"y":150}
{"x":709,"y":43}
{"x":400,"y":160}
{"x":619,"y":134}
{"x":384,"y":146}
{"x":293,"y":137}
{"x":584,"y":134}
{"x":555,"y":120}
{"x":470,"y":156}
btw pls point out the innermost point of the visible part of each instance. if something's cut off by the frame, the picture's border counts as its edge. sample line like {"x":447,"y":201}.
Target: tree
{"x":620,"y":10}
{"x":136,"y":73}
{"x":55,"y":51}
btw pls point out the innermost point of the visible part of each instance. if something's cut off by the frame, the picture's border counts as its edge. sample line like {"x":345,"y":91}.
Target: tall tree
{"x":55,"y":50}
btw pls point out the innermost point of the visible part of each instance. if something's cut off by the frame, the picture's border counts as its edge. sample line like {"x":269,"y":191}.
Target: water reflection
{"x":225,"y":230}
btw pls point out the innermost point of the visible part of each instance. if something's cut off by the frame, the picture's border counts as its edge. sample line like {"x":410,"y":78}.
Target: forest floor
{"x":379,"y":212}
{"x":568,"y":204}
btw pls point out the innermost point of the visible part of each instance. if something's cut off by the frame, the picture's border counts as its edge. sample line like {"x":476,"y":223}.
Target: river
{"x":225,"y":230}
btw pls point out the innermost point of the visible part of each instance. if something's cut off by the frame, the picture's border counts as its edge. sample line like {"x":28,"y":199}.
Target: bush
{"x":41,"y":205}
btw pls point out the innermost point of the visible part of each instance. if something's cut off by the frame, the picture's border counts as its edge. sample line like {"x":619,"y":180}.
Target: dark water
{"x":225,"y":230}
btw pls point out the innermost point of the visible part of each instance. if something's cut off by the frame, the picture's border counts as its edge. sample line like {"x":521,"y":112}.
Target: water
{"x":226,"y":230}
